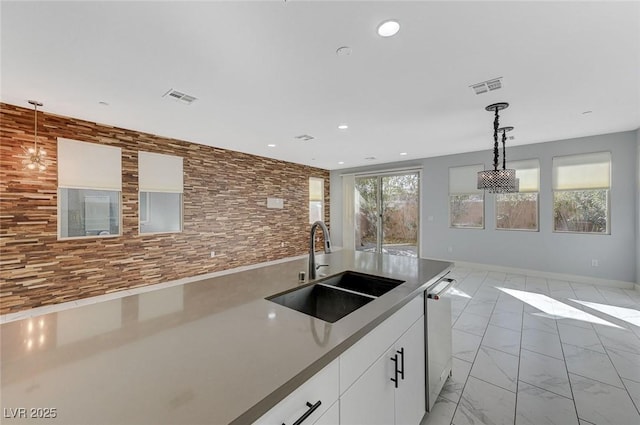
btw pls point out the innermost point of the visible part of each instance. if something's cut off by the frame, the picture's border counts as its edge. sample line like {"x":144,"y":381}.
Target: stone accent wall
{"x":225,"y":194}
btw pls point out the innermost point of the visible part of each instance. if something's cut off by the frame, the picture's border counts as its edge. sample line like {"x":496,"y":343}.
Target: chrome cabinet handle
{"x":436,"y":295}
{"x":312,"y":408}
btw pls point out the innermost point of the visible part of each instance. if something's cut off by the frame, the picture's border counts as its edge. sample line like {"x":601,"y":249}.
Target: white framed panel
{"x":584,"y":171}
{"x":160,"y":173}
{"x":83,"y":165}
{"x":528,"y":171}
{"x":464,"y":180}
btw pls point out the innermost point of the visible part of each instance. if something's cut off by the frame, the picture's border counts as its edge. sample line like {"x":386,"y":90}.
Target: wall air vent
{"x":304,"y":137}
{"x":486,"y":86}
{"x":179,"y":97}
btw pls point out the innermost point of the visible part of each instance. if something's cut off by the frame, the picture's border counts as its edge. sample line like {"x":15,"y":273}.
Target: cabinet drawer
{"x":322,"y":387}
{"x":364,"y":353}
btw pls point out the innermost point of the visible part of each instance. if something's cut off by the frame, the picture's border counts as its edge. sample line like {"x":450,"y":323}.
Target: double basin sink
{"x":334,"y":297}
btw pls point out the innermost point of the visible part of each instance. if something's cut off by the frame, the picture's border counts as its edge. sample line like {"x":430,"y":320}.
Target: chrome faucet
{"x":312,"y":247}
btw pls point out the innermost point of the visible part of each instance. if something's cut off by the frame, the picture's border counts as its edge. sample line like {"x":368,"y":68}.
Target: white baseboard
{"x":550,"y":275}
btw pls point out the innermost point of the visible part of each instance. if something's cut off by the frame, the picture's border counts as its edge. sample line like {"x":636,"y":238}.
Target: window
{"x":581,"y":193}
{"x":519,"y":211}
{"x":466,"y":201}
{"x":89,"y":189}
{"x":316,"y":199}
{"x":160,"y":179}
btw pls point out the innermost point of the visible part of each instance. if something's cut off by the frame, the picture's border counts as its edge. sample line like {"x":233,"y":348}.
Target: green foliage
{"x":400,"y":195}
{"x":581,"y":211}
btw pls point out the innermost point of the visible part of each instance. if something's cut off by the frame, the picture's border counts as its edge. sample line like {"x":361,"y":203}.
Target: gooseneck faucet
{"x":312,"y":247}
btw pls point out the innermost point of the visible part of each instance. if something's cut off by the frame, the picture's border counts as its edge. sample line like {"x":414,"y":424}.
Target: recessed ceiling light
{"x":343,"y":126}
{"x":370,"y":158}
{"x":388,"y":28}
{"x":103,"y":103}
{"x":587,"y":112}
{"x":271,"y":145}
{"x":340,"y":162}
{"x":403,"y":153}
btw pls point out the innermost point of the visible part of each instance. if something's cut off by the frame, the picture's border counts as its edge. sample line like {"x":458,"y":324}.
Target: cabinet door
{"x":410,"y":394}
{"x":322,"y":387}
{"x":369,"y":401}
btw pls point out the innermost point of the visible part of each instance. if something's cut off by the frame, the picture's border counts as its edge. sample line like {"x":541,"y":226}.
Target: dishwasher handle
{"x":440,"y":288}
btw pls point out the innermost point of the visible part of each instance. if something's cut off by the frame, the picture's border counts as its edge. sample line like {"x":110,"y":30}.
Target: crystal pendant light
{"x":498,"y":180}
{"x":35,"y":156}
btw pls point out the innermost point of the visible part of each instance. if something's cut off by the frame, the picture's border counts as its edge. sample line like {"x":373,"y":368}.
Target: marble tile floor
{"x":535,"y":351}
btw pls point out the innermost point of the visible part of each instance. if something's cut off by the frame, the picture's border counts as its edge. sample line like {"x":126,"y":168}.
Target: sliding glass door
{"x":387,"y":213}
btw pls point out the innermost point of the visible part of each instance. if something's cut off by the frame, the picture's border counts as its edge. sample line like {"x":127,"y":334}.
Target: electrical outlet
{"x":281,"y":244}
{"x":213,"y":254}
{"x":450,"y":249}
{"x":594,"y":263}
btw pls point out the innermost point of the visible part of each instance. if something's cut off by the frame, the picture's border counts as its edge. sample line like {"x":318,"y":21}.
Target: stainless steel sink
{"x":363,"y":283}
{"x":334,"y":297}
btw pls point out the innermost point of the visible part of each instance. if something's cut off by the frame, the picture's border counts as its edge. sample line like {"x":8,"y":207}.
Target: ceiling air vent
{"x":304,"y":137}
{"x":488,"y":85}
{"x":179,"y":97}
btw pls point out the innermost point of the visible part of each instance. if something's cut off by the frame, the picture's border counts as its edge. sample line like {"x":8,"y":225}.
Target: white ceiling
{"x":267,"y":71}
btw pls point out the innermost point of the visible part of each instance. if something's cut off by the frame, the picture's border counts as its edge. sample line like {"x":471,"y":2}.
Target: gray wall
{"x":543,"y":250}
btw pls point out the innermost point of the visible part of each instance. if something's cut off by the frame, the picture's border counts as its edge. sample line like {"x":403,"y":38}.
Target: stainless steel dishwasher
{"x":437,"y":314}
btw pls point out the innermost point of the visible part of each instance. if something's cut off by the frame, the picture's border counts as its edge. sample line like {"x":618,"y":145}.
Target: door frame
{"x":393,"y":172}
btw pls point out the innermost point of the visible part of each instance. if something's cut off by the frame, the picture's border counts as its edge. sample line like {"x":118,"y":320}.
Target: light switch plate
{"x":275,"y":203}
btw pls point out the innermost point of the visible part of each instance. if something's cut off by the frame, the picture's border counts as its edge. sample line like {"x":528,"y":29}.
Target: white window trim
{"x":65,"y":145}
{"x":608,"y":189}
{"x":478,"y":168}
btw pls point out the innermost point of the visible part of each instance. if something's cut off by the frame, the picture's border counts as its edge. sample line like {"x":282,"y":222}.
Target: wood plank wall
{"x":225,"y":195}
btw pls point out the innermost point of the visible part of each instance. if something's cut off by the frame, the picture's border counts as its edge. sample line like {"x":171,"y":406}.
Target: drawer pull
{"x":312,"y":408}
{"x":401,"y":352}
{"x":394,"y":359}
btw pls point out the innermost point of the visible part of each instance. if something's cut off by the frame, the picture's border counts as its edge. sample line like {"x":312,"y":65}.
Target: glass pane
{"x":87,"y":212}
{"x":583,"y":211}
{"x":164,"y":212}
{"x":316,"y":199}
{"x":316,"y":189}
{"x":366,"y":222}
{"x":400,"y":218}
{"x":517,"y":211}
{"x":466,"y":211}
{"x":315,"y":211}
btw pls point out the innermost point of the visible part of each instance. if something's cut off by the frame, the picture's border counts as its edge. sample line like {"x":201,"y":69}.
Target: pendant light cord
{"x":35,"y":127}
{"x":504,"y":149}
{"x":495,"y":141}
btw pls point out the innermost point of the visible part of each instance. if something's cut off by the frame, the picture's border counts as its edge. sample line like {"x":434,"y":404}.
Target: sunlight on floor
{"x":629,"y":315}
{"x":554,"y":308}
{"x":458,"y":293}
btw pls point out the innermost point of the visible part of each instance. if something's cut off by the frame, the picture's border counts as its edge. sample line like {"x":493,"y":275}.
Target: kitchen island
{"x":212,"y":351}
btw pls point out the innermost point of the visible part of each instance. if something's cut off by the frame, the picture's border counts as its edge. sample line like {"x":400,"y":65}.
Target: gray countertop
{"x":212,"y":351}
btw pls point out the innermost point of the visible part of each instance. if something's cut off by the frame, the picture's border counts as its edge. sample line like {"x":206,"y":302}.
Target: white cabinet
{"x":363,"y":353}
{"x":370,"y":400}
{"x":331,"y":416}
{"x":392,"y":389}
{"x":410,"y":394}
{"x":362,"y":378}
{"x":312,"y":399}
